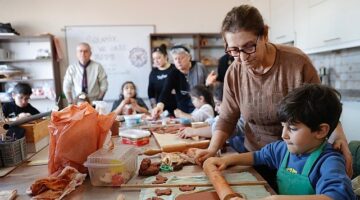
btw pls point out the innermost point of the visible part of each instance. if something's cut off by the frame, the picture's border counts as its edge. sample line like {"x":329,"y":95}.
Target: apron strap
{"x":285,"y":161}
{"x":312,"y":159}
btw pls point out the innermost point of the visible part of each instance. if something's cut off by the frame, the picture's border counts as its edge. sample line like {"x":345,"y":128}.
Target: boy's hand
{"x":22,"y":115}
{"x":186,"y":133}
{"x":342,"y":146}
{"x":202,"y":154}
{"x":214,"y":164}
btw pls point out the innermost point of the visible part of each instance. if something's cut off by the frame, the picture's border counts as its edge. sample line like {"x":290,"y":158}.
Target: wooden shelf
{"x":42,"y":71}
{"x":194,"y":41}
{"x":24,"y":80}
{"x":25,"y":60}
{"x":17,"y":38}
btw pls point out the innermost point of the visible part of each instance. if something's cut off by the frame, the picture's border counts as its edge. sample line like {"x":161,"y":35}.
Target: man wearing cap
{"x":187,"y":74}
{"x":85,"y":76}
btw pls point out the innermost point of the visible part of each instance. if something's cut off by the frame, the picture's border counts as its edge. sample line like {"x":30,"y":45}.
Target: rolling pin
{"x":178,"y":147}
{"x":25,"y":120}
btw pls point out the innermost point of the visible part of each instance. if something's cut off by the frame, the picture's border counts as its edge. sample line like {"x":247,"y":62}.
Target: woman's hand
{"x":342,"y":146}
{"x":211,"y":78}
{"x":156,"y":112}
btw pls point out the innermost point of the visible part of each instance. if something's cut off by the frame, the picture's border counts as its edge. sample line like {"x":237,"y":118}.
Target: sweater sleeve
{"x":230,"y":110}
{"x":271,"y":155}
{"x":33,"y":110}
{"x":333,"y":181}
{"x":310,"y":73}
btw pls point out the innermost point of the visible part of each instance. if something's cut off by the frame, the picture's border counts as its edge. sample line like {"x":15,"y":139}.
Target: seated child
{"x":128,"y":103}
{"x":236,"y":141}
{"x":201,"y":98}
{"x":20,"y":106}
{"x":307,"y":164}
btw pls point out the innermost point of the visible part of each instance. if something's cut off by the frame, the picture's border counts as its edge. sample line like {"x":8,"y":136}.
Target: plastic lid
{"x":119,"y":153}
{"x":134,"y":133}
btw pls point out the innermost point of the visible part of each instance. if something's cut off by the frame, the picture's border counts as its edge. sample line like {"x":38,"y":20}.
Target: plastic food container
{"x":132,"y":120}
{"x":135,"y":137}
{"x":112,"y":168}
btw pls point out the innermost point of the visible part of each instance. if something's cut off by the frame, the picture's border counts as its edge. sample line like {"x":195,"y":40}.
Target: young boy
{"x":20,"y":106}
{"x":307,"y":164}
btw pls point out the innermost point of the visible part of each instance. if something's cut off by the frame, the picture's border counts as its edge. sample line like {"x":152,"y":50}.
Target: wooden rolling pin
{"x":178,"y":147}
{"x":239,"y":183}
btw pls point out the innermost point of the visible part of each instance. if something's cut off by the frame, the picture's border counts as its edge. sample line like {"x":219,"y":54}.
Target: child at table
{"x":202,"y":99}
{"x":236,"y":141}
{"x":20,"y":106}
{"x":128,"y":103}
{"x":307,"y":164}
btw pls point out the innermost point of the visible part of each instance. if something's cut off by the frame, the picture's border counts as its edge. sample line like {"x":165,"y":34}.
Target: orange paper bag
{"x":75,"y":133}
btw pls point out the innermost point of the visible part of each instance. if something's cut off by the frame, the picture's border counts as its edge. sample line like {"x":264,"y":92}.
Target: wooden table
{"x":24,"y":175}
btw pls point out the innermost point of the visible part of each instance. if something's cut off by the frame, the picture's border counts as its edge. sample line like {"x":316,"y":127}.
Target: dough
{"x":185,"y":188}
{"x":160,"y":192}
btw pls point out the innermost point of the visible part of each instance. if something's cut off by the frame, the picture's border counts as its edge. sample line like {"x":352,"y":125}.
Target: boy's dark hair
{"x":201,"y":90}
{"x":122,"y":89}
{"x":22,"y":88}
{"x":312,"y":104}
{"x":218,"y":91}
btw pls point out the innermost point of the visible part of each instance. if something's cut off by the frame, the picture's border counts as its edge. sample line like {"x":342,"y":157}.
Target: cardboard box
{"x":36,"y":130}
{"x":37,"y":146}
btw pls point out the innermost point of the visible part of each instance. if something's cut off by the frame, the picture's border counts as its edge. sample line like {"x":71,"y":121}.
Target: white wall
{"x":31,"y":17}
{"x":350,"y":119}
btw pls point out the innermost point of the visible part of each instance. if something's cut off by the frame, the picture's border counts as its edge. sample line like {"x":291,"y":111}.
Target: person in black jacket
{"x":20,"y":106}
{"x":157,"y":78}
{"x":187,"y":74}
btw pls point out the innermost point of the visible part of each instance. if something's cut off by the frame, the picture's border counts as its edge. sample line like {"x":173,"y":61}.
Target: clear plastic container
{"x":112,"y":168}
{"x":132,"y":120}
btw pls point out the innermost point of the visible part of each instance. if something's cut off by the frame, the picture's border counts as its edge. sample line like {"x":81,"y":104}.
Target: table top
{"x":23,"y":176}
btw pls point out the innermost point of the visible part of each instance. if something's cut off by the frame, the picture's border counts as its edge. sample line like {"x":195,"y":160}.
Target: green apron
{"x":297,"y":184}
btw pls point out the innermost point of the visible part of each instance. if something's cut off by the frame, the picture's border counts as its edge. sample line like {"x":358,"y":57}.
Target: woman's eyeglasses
{"x":235,"y":51}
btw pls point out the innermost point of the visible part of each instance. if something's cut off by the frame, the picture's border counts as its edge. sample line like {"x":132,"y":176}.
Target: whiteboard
{"x":123,"y":51}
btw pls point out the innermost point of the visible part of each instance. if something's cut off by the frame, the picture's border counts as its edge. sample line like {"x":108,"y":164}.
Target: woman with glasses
{"x":261,"y":75}
{"x":187,"y":74}
{"x":158,"y":76}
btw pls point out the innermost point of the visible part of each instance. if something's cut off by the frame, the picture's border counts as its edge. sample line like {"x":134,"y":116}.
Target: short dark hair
{"x":181,"y":47}
{"x":218,"y":91}
{"x":312,"y":104}
{"x":22,"y":88}
{"x":201,"y":90}
{"x":244,"y":17}
{"x":161,"y":49}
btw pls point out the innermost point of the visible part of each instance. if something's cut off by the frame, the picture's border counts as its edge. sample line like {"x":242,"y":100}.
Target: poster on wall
{"x":123,"y":51}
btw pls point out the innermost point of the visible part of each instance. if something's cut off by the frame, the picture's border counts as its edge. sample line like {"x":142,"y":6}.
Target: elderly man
{"x":186,"y":75}
{"x":85,"y":76}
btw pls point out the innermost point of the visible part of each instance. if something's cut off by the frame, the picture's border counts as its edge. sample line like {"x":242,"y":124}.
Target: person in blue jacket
{"x":306,"y":163}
